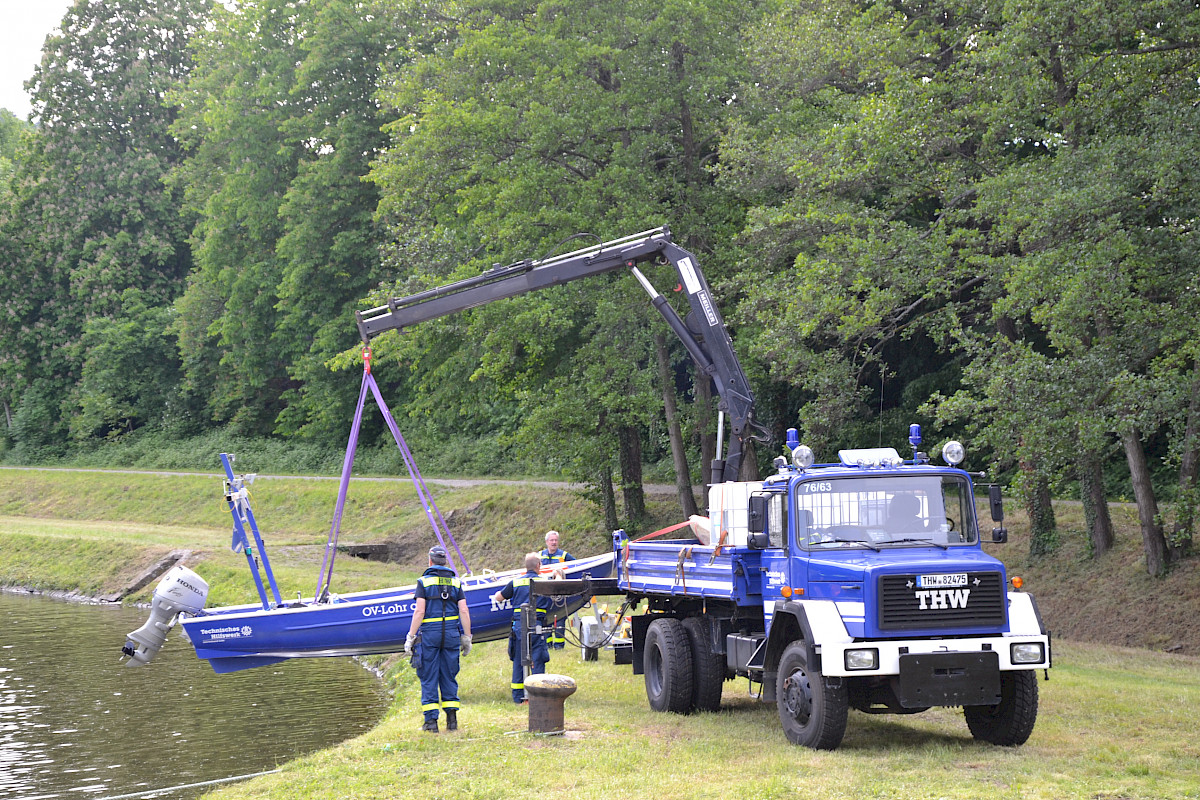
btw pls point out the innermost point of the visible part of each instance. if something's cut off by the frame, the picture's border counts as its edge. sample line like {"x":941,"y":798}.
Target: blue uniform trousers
{"x":540,"y":655}
{"x":437,"y":669}
{"x":558,"y":638}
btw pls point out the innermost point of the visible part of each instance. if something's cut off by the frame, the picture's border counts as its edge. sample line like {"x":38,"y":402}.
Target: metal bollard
{"x":547,"y":694}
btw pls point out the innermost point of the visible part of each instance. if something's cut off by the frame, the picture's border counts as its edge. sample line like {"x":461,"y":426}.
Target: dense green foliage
{"x":975,"y":214}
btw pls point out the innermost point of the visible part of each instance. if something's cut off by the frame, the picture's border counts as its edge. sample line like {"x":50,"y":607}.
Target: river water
{"x":77,"y":723}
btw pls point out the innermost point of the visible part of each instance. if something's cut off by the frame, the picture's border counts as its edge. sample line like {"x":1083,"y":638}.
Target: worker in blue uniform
{"x":518,"y":591}
{"x":440,"y":630}
{"x":554,"y":557}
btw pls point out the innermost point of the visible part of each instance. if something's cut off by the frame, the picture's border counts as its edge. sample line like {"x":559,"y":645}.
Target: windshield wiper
{"x":852,"y":541}
{"x":920,"y":541}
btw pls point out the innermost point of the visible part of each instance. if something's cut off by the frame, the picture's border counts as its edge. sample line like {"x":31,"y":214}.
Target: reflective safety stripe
{"x":520,"y":582}
{"x":438,"y":619}
{"x":445,"y":704}
{"x":518,"y":686}
{"x":439,"y":580}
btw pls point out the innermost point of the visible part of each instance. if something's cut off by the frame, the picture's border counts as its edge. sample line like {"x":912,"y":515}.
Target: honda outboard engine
{"x":181,"y":590}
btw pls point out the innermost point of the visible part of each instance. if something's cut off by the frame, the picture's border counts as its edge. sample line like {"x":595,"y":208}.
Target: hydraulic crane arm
{"x":704,"y":334}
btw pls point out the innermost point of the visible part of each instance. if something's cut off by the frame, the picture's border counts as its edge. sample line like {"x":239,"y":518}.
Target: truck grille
{"x":901,"y":601}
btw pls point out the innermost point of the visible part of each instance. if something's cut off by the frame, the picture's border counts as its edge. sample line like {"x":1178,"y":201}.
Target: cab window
{"x":776,"y":524}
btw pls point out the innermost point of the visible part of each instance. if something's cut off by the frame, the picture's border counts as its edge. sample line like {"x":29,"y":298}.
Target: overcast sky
{"x":24,"y":25}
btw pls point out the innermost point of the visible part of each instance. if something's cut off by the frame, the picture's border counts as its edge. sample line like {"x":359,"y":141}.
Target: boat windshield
{"x":876,"y":512}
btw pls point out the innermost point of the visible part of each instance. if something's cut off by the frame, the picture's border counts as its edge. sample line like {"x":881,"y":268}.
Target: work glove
{"x":408,"y":644}
{"x":464,"y":643}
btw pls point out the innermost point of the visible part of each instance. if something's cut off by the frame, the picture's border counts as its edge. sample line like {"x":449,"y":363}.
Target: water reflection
{"x":76,"y":723}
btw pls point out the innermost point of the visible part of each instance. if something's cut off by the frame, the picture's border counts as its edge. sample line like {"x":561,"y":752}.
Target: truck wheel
{"x":1010,"y":721}
{"x":668,"y":666}
{"x":812,"y":712}
{"x":708,"y":668}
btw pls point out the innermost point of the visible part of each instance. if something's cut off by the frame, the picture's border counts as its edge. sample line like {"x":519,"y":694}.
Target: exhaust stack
{"x":180,"y":591}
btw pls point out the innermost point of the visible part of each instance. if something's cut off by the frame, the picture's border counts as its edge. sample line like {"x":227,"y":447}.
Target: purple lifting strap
{"x":427,"y":501}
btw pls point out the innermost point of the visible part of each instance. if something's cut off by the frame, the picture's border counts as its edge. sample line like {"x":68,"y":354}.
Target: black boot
{"x":451,"y":719}
{"x":430,"y":725}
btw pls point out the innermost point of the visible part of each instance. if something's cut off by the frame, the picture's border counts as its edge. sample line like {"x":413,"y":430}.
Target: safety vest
{"x":442,"y":591}
{"x":520,"y":596}
{"x":559,"y":556}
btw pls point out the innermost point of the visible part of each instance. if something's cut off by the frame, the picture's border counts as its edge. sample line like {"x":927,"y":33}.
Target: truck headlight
{"x":862,"y":659}
{"x":1027,"y":653}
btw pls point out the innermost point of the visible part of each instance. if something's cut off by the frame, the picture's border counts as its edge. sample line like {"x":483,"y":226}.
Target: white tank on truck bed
{"x":727,"y":511}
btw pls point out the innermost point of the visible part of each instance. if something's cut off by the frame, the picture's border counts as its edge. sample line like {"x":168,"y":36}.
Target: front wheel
{"x":1010,"y":721}
{"x":812,"y":711}
{"x":667,"y":663}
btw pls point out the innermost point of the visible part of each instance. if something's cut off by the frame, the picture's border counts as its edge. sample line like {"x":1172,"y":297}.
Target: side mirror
{"x":756,"y":517}
{"x":999,"y":535}
{"x":997,"y":503}
{"x":758,"y":540}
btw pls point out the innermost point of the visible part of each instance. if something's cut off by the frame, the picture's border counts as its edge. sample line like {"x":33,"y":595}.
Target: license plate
{"x":941,"y":581}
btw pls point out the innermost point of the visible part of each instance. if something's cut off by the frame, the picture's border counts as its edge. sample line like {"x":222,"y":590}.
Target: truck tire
{"x":708,"y":668}
{"x":1009,"y":722}
{"x":813,"y":712}
{"x":667,"y":664}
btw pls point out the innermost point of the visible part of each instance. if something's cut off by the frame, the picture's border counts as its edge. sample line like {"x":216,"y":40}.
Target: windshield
{"x":877,"y":512}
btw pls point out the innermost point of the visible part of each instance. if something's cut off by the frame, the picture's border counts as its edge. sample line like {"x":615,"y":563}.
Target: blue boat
{"x":233,"y":638}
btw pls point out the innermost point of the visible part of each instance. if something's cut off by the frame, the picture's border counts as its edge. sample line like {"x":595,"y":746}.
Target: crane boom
{"x":704,"y":335}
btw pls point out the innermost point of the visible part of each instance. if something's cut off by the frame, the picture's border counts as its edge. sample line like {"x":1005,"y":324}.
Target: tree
{"x":962,"y":172}
{"x":534,"y":121}
{"x":130,"y":377}
{"x":237,"y":172}
{"x":90,"y":215}
{"x":280,"y":125}
{"x":330,"y":243}
{"x":11,"y":130}
{"x":1106,"y":242}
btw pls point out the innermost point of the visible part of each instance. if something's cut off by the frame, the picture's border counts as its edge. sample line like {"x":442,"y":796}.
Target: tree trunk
{"x":609,"y":498}
{"x":631,"y":475}
{"x":707,"y":435}
{"x":7,"y":415}
{"x":691,"y":153}
{"x":1153,"y":541}
{"x":1189,"y":487}
{"x":749,"y":467}
{"x":1039,"y":506}
{"x":683,"y":474}
{"x":1095,"y":503}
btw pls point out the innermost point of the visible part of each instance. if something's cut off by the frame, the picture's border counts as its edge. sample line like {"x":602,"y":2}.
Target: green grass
{"x":1115,"y":724}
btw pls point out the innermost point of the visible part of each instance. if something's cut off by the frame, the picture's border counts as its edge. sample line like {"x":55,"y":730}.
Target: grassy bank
{"x":93,"y":532}
{"x":1114,"y":725}
{"x":1115,"y":722}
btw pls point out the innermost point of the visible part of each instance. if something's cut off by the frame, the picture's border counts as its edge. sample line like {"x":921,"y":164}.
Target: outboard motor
{"x":181,"y":590}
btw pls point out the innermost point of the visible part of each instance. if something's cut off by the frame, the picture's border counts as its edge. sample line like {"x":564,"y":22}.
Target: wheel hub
{"x":797,"y":697}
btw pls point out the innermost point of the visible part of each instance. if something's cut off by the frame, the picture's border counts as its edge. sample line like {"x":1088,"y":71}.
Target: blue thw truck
{"x":856,"y":584}
{"x":860,"y":584}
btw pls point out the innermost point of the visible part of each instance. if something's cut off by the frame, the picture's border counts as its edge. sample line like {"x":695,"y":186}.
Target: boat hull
{"x":234,"y":638}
